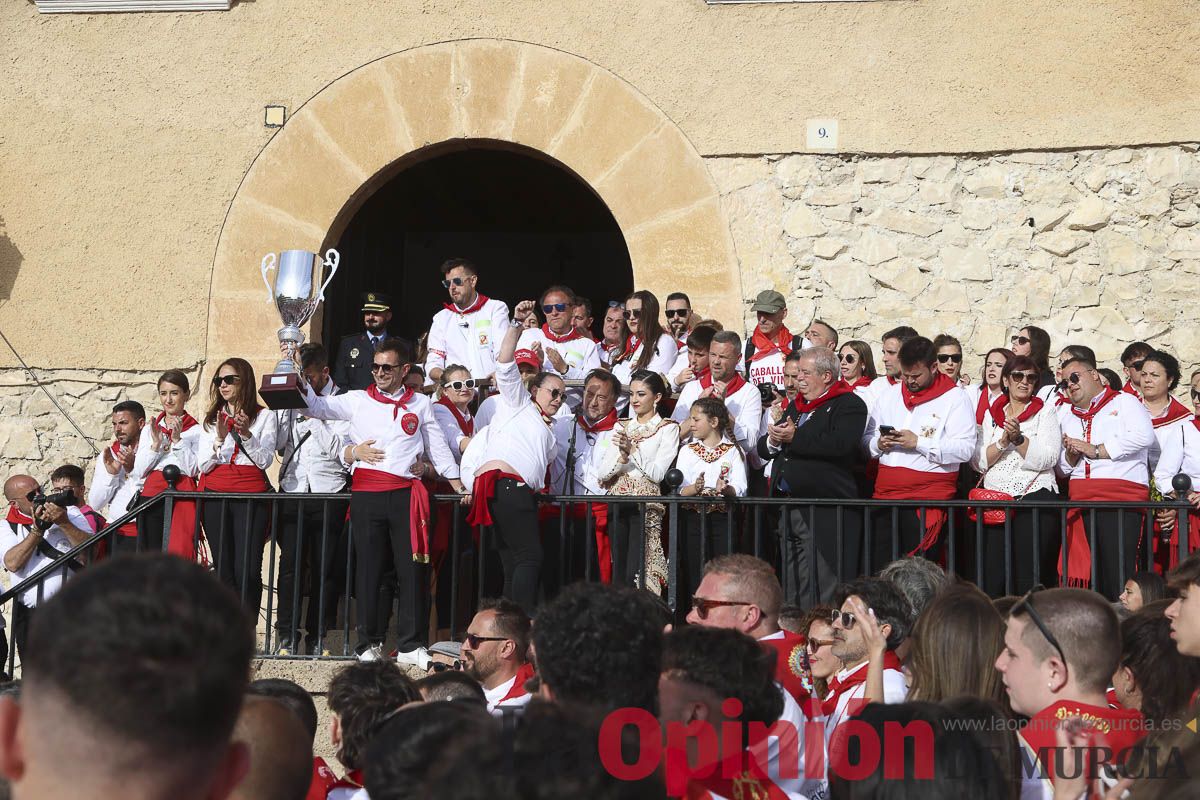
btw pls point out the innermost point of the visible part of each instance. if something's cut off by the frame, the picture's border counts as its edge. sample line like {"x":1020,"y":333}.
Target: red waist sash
{"x":482,"y":493}
{"x":1079,"y":550}
{"x":234,"y":478}
{"x":183,"y":513}
{"x":375,"y":480}
{"x":902,"y":483}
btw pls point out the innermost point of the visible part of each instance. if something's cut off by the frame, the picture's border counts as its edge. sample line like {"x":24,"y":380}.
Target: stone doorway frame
{"x":307,"y":181}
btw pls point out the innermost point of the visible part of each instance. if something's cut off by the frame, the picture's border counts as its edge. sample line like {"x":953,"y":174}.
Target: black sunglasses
{"x":559,"y":307}
{"x":458,"y":386}
{"x":228,"y":380}
{"x":703,"y":605}
{"x":633,"y":313}
{"x":676,"y":312}
{"x":475,"y":639}
{"x":946,"y":358}
{"x":845,"y":617}
{"x":1023,"y":377}
{"x":1074,"y":377}
{"x":1138,"y":365}
{"x":615,"y":304}
{"x":438,"y":666}
{"x":848,"y":358}
{"x":33,"y":493}
{"x":1025,"y":604}
{"x":1196,"y":394}
{"x":555,"y":393}
{"x":455,"y":281}
{"x":1020,"y":340}
{"x":384,"y":368}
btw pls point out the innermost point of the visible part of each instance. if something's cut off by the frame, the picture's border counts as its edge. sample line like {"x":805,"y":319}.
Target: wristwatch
{"x":515,"y":323}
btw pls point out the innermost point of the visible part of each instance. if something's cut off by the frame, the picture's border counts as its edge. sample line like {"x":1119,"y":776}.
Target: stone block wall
{"x":1099,"y":247}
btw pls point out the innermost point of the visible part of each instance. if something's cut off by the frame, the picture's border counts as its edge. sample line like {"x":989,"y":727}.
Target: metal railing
{"x":755,"y":525}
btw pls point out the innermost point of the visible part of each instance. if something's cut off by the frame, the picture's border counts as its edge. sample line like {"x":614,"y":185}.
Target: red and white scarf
{"x":465,"y":425}
{"x":1174,"y":412}
{"x":732,"y":386}
{"x":605,"y":423}
{"x":188,"y":422}
{"x":471,"y":309}
{"x":998,"y":415}
{"x":765,"y":345}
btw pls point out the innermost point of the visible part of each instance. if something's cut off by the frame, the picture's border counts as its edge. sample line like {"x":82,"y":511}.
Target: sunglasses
{"x":845,"y":617}
{"x":1023,"y":377}
{"x":474,"y":640}
{"x":453,"y":281}
{"x":847,"y":358}
{"x":1195,"y":394}
{"x":946,"y":358}
{"x":438,"y":666}
{"x":559,"y":307}
{"x":676,"y":312}
{"x":1137,"y":365}
{"x":384,"y":368}
{"x":1025,"y":604}
{"x":1020,"y":340}
{"x":633,"y":313}
{"x":554,"y":393}
{"x":1074,"y":377}
{"x":228,"y":380}
{"x":615,"y":304}
{"x":703,"y":605}
{"x":816,"y":644}
{"x":458,"y":386}
{"x":32,"y":494}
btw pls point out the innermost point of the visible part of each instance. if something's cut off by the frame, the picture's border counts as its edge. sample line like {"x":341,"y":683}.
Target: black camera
{"x":768,"y":392}
{"x":63,"y":498}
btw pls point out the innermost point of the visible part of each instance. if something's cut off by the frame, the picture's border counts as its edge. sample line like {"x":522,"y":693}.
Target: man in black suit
{"x":353,"y":368}
{"x":815,"y":444}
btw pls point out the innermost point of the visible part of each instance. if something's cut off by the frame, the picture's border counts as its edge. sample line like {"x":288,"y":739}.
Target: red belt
{"x":234,"y":478}
{"x":902,"y":483}
{"x":1079,"y":550}
{"x":375,"y":480}
{"x":482,"y":493}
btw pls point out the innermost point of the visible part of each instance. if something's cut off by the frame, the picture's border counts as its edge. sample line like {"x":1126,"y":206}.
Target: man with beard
{"x":112,"y":486}
{"x":494,"y":652}
{"x":353,"y":369}
{"x":679,"y":317}
{"x":891,"y":343}
{"x":468,"y":329}
{"x":743,"y":400}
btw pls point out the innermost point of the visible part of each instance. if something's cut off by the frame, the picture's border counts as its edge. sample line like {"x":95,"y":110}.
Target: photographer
{"x":38,"y":529}
{"x":69,"y":476}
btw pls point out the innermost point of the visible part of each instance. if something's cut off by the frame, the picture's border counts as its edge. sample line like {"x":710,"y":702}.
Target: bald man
{"x":280,"y":752}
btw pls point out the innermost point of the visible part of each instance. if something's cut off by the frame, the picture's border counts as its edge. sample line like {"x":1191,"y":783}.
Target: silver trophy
{"x":299,"y":271}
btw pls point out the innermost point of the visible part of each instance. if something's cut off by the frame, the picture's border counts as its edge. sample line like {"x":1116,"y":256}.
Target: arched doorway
{"x":524,"y":219}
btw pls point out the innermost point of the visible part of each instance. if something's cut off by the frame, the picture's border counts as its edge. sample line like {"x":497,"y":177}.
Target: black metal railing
{"x":753,"y":525}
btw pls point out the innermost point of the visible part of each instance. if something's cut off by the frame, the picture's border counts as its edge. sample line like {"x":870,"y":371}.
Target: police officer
{"x":353,"y":368}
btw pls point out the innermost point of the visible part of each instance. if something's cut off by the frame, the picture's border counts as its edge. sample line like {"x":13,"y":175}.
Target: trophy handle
{"x":332,"y":259}
{"x":268,"y":264}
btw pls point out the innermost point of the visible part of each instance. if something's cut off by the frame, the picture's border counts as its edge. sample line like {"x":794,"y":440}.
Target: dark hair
{"x":510,"y":621}
{"x":991,"y":723}
{"x":1039,"y":347}
{"x":1112,"y":378}
{"x":884,"y":599}
{"x":290,"y":694}
{"x":68,"y":472}
{"x":715,"y":408}
{"x":654,"y":382}
{"x":650,"y":328}
{"x":1008,"y":356}
{"x":917,"y":350}
{"x":1080,"y":351}
{"x":364,"y":695}
{"x":313,"y":356}
{"x":1185,"y":573}
{"x":247,"y":399}
{"x":541,"y":377}
{"x":1170,"y":365}
{"x":1152,"y":585}
{"x":946,"y":340}
{"x":586,"y":303}
{"x":452,"y":685}
{"x":400,"y":347}
{"x":1084,"y":362}
{"x":131,"y":407}
{"x":903,"y":333}
{"x":1135,"y":352}
{"x":410,"y":745}
{"x":1166,"y":678}
{"x":175,"y":377}
{"x":700,"y":337}
{"x":954,"y":645}
{"x":864,"y":355}
{"x":606,"y":377}
{"x":598,"y":645}
{"x":1024,"y":364}
{"x":728,"y":663}
{"x":450,"y":264}
{"x":560,"y":289}
{"x":152,"y":649}
{"x":679,"y":296}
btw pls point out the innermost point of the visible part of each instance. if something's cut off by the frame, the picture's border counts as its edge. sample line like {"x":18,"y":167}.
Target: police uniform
{"x":352,"y":370}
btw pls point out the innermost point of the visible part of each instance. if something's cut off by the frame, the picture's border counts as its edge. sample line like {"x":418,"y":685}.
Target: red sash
{"x":129,"y":528}
{"x":732,"y":386}
{"x":234,"y":478}
{"x":941,"y":384}
{"x":763,"y":346}
{"x":323,"y":780}
{"x":1079,"y":550}
{"x":748,"y":769}
{"x":566,"y":337}
{"x":599,"y":511}
{"x":471,"y":309}
{"x":396,"y":404}
{"x":836,"y":389}
{"x":483,"y":492}
{"x":525,"y":672}
{"x":375,"y":480}
{"x":1166,"y":554}
{"x":183,"y":513}
{"x":902,"y":483}
{"x":997,"y":410}
{"x":467,"y":426}
{"x":1174,"y":412}
{"x":1115,"y":728}
{"x":791,"y":667}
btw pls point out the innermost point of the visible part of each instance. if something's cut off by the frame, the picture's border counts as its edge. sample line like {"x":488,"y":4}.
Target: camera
{"x":767,"y":391}
{"x":63,"y":498}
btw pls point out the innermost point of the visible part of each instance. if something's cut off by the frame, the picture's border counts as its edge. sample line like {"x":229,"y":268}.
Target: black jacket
{"x":824,"y":458}
{"x":352,"y":369}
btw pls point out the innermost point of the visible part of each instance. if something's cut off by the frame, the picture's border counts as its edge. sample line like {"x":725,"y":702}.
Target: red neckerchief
{"x":397,"y":404}
{"x":230,"y":425}
{"x":15,"y":516}
{"x":982,"y":406}
{"x":1174,"y":412}
{"x":763,"y":346}
{"x":1129,"y":388}
{"x":322,"y":781}
{"x":1100,"y":401}
{"x":601,"y":425}
{"x":732,"y":386}
{"x":467,"y":426}
{"x":188,"y":422}
{"x":631,"y":345}
{"x":566,"y":337}
{"x":1115,"y":728}
{"x":1061,"y":398}
{"x":525,"y":672}
{"x":891,"y":381}
{"x":839,"y":687}
{"x":863,"y":380}
{"x":997,"y":410}
{"x":837,"y":389}
{"x":116,"y":446}
{"x":941,"y":384}
{"x":471,"y":309}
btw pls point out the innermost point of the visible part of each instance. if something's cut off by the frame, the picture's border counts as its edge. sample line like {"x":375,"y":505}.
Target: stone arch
{"x":329,"y":154}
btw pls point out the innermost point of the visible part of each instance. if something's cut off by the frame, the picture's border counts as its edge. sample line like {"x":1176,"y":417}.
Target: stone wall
{"x":1099,"y":247}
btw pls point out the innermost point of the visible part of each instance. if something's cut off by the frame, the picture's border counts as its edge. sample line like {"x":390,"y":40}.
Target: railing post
{"x":673,"y":479}
{"x":172,"y":475}
{"x":1182,"y":484}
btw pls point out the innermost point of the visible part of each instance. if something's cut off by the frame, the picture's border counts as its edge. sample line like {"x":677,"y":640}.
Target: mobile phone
{"x":886,"y":430}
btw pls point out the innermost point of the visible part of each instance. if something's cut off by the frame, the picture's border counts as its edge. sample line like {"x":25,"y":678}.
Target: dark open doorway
{"x":525,"y":220}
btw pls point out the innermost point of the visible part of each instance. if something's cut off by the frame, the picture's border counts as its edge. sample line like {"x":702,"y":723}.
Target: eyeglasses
{"x":845,"y":617}
{"x":384,"y":368}
{"x":559,"y":307}
{"x":676,"y":312}
{"x":455,"y":281}
{"x":847,"y":358}
{"x":633,"y":313}
{"x":1025,"y":604}
{"x":458,"y":386}
{"x":438,"y":666}
{"x":946,"y":358}
{"x":228,"y":380}
{"x":474,"y":640}
{"x":1074,"y":377}
{"x":1020,"y":340}
{"x":703,"y":605}
{"x":1023,"y":377}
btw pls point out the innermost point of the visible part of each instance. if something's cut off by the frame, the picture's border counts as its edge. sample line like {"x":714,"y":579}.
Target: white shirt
{"x":57,"y":539}
{"x":894,"y":691}
{"x":1191,"y":456}
{"x":450,"y":428}
{"x":1123,"y":426}
{"x":665,"y":353}
{"x":496,"y":695}
{"x":590,"y":449}
{"x":976,"y":389}
{"x":1016,"y":474}
{"x":470,"y":340}
{"x":769,"y":368}
{"x":873,"y":390}
{"x":945,"y":429}
{"x":650,"y":457}
{"x":800,"y":786}
{"x":181,"y":454}
{"x":486,"y":412}
{"x":257,"y":449}
{"x":403,"y":434}
{"x":695,"y":459}
{"x":745,"y":409}
{"x":581,"y":353}
{"x":1165,"y":456}
{"x":111,"y":494}
{"x":517,"y":435}
{"x":317,"y":465}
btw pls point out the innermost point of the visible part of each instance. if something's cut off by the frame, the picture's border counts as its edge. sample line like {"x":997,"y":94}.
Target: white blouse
{"x":257,"y":449}
{"x":1013,"y":473}
{"x":650,"y":457}
{"x":665,"y":353}
{"x":724,"y":460}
